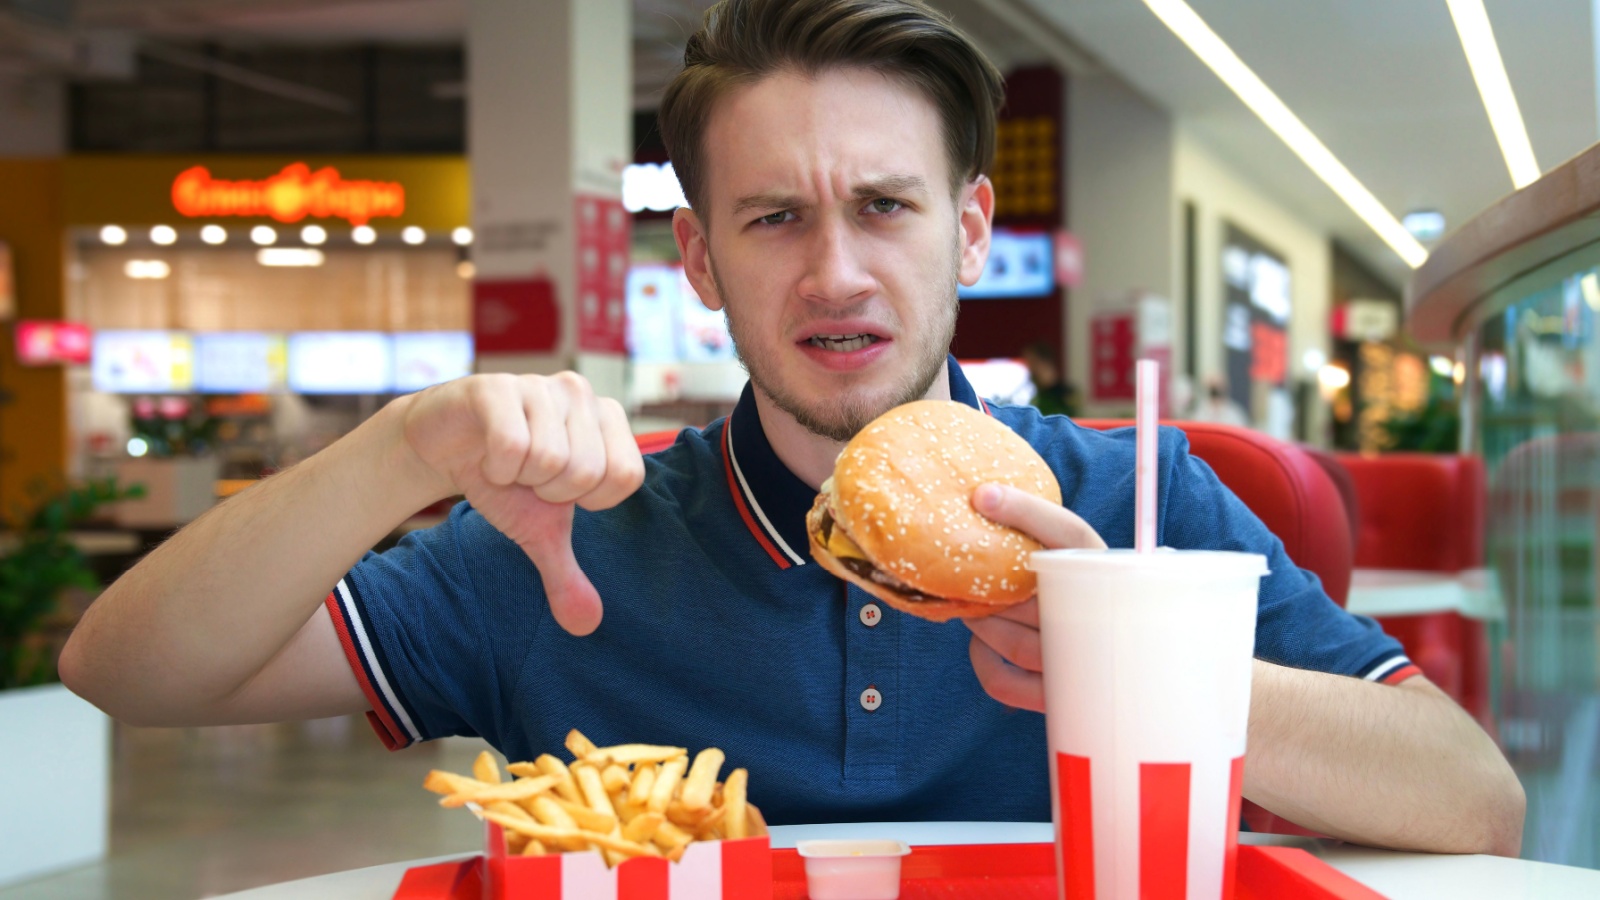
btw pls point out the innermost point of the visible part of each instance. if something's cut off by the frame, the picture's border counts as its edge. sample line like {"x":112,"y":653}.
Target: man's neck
{"x":808,"y":455}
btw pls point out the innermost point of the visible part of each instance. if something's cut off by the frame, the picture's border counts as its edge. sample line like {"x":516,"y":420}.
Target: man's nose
{"x":835,"y":270}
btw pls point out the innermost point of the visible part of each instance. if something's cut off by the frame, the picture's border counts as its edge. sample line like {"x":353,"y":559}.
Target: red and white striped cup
{"x":1147,"y":663}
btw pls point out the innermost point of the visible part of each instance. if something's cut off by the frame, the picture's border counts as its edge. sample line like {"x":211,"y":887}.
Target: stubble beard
{"x":840,"y":417}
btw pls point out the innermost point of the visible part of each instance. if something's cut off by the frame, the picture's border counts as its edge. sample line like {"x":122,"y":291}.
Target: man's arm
{"x":1391,"y":766}
{"x":223,"y":623}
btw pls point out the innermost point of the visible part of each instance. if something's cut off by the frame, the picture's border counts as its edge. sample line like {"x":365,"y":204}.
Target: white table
{"x":1473,"y":593}
{"x":1399,"y":876}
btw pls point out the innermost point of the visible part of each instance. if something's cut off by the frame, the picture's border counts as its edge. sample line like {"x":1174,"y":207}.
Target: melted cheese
{"x":840,"y":545}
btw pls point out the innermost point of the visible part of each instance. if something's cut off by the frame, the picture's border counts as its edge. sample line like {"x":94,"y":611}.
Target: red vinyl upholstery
{"x":655,"y":441}
{"x":1281,"y":484}
{"x":1419,"y":511}
{"x":1425,"y":512}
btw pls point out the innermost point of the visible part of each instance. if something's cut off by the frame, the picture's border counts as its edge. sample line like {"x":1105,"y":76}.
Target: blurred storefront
{"x":240,"y":312}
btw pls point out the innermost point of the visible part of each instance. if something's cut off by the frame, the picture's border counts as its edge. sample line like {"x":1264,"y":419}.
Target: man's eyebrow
{"x":891,"y":185}
{"x":766,"y":201}
{"x":887,"y":186}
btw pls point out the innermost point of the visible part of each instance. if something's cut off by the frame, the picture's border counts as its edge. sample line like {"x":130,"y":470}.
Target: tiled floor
{"x":201,"y":812}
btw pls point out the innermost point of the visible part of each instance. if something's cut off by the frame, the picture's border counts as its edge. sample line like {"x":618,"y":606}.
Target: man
{"x":834,"y":153}
{"x":1217,"y":406}
{"x":1053,"y":396}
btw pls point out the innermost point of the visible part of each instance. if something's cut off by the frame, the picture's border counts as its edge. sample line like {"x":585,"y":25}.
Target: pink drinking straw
{"x":1147,"y":391}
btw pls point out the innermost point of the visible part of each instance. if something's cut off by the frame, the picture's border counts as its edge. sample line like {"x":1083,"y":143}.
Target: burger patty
{"x":867,"y":570}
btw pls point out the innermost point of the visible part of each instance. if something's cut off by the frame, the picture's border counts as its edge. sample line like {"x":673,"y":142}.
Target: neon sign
{"x":289,"y":196}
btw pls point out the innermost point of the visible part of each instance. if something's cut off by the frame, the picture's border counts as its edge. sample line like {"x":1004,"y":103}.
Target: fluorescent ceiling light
{"x":146,"y":269}
{"x":1489,"y":71}
{"x":1220,"y":58}
{"x":289,"y":256}
{"x":1425,"y":224}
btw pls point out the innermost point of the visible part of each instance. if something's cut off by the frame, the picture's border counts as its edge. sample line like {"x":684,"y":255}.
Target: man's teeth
{"x":842,"y":343}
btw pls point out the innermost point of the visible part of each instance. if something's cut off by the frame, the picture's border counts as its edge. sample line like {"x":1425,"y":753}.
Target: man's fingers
{"x":586,"y":453}
{"x":1051,"y":524}
{"x":548,"y":449}
{"x":573,"y":600}
{"x":624,"y":464}
{"x":496,"y":404}
{"x":1005,"y":682}
{"x":1018,"y":644}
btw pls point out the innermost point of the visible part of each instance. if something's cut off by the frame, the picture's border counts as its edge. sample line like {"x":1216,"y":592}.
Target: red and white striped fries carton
{"x":709,"y":870}
{"x":1147,"y":663}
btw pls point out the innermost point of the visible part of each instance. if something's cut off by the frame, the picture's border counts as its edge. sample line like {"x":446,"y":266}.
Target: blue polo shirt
{"x":719,"y":630}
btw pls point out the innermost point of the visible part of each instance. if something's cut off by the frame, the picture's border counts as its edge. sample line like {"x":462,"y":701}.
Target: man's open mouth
{"x":843,"y":343}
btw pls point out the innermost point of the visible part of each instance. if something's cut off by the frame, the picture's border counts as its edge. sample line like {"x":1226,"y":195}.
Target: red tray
{"x":971,"y":872}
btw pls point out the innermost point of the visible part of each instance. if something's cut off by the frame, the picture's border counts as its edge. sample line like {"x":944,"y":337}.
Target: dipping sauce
{"x":852,"y":870}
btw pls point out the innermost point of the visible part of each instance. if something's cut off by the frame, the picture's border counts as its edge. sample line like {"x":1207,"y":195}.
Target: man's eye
{"x":777,"y":218}
{"x":885,"y":205}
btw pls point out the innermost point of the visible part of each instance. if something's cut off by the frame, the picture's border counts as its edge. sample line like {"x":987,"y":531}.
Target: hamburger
{"x":896,"y":517}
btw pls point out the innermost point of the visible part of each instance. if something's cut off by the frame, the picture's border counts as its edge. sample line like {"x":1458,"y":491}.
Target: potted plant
{"x":54,"y":747}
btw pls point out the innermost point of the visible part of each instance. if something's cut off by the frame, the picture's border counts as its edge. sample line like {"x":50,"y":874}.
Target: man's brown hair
{"x":743,"y":41}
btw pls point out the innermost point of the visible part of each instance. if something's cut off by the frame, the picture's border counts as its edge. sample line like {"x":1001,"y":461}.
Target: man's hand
{"x":524,"y":450}
{"x":1005,"y":646}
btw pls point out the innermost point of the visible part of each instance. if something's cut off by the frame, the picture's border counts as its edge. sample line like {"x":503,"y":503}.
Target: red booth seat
{"x":1425,"y":512}
{"x":1284,"y":486}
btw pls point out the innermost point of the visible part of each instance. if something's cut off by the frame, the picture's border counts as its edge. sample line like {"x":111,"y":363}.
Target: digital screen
{"x":426,"y":358}
{"x":1019,"y":265}
{"x":653,"y":297}
{"x":45,"y":343}
{"x":140,"y":362}
{"x":340,"y":362}
{"x":668,"y":323}
{"x":703,"y":334}
{"x":1000,"y":380}
{"x":238,"y":362}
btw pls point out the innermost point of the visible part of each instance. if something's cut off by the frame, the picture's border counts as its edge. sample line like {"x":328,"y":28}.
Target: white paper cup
{"x":1147,"y":664}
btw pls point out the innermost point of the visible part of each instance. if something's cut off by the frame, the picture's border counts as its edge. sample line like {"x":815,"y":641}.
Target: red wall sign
{"x":289,"y":196}
{"x":1111,"y":349}
{"x":1068,"y":259}
{"x":602,"y":273}
{"x":515,"y":316}
{"x":43,"y":343}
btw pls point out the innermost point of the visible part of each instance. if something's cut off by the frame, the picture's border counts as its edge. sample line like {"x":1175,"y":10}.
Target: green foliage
{"x":1435,"y":428}
{"x":37,"y":568}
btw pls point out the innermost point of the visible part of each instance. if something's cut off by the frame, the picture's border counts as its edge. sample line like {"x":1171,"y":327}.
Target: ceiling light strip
{"x":1194,"y":32}
{"x":1494,"y":86}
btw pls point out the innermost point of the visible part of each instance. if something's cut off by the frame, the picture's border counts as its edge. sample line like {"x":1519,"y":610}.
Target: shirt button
{"x":871,"y":615}
{"x":871,"y":699}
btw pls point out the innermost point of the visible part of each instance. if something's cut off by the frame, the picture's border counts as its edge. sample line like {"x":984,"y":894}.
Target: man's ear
{"x":694,"y":247}
{"x":976,"y":214}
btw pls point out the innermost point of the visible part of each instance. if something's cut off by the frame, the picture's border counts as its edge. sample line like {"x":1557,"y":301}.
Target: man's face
{"x":829,"y":235}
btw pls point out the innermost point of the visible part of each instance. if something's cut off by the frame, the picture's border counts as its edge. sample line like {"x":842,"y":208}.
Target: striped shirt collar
{"x":772,"y":500}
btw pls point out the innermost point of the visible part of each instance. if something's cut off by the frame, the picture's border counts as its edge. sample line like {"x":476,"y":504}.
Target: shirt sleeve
{"x":421,"y":639}
{"x":1298,"y":624}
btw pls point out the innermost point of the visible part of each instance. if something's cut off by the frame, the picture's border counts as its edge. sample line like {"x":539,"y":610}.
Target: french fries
{"x":625,"y":801}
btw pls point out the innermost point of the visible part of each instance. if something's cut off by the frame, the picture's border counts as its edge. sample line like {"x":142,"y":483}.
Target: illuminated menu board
{"x":1020,"y":265}
{"x":238,"y":362}
{"x":142,"y":362}
{"x":425,"y":358}
{"x":340,"y":362}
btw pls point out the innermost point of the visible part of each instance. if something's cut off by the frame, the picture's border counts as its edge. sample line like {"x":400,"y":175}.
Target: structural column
{"x":549,"y":116}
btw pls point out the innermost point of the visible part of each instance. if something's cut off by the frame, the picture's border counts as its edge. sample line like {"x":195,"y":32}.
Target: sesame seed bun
{"x":896,"y":518}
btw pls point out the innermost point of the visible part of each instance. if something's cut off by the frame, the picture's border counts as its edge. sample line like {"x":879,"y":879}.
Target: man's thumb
{"x":573,"y":600}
